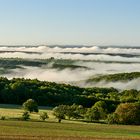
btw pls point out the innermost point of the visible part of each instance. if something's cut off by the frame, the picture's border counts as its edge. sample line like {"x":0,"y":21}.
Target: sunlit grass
{"x":67,"y":130}
{"x":15,"y":111}
{"x":53,"y":129}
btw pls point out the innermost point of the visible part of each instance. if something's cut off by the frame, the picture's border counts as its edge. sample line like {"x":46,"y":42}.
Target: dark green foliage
{"x":96,"y":90}
{"x":17,"y":91}
{"x":30,"y":105}
{"x":44,"y":116}
{"x":111,"y":105}
{"x":25,"y":116}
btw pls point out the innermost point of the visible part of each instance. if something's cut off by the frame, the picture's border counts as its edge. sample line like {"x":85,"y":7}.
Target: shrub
{"x":2,"y":117}
{"x":112,"y":118}
{"x":25,"y":116}
{"x":44,"y":116}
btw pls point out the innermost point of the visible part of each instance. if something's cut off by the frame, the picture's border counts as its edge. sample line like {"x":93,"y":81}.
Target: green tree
{"x":129,"y":95}
{"x":59,"y":112}
{"x":81,"y":111}
{"x":92,"y":114}
{"x":30,"y":105}
{"x":102,"y":109}
{"x":75,"y":111}
{"x":113,"y":96}
{"x":69,"y":112}
{"x":128,"y":113}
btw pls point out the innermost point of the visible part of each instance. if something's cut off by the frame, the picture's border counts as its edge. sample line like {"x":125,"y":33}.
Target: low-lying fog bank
{"x":133,"y":84}
{"x":86,"y":62}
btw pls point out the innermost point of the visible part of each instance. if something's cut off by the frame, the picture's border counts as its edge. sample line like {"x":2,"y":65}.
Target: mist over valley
{"x":72,"y":65}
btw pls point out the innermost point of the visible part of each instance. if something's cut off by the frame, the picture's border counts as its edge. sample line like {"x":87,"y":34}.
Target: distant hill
{"x":115,"y":77}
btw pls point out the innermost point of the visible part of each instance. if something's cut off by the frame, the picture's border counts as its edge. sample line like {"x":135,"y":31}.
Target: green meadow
{"x":11,"y":128}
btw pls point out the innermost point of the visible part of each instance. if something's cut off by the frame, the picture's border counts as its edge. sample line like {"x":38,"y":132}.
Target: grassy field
{"x":67,"y":130}
{"x":15,"y":111}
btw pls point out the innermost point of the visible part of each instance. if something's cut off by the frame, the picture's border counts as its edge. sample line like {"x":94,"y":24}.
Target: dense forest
{"x":17,"y":91}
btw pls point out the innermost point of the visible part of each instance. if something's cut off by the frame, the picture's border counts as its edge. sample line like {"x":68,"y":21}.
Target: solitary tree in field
{"x":30,"y":105}
{"x":59,"y":112}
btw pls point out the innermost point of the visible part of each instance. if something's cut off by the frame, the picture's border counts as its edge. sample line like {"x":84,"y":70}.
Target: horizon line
{"x":4,"y":45}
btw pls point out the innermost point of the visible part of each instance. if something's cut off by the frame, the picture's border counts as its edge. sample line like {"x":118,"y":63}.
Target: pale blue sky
{"x":89,"y":22}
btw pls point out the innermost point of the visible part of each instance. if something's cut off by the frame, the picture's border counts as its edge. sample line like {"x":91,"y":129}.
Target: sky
{"x":70,"y":22}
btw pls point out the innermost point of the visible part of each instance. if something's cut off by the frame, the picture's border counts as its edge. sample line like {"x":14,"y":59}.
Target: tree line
{"x":125,"y":113}
{"x":18,"y":90}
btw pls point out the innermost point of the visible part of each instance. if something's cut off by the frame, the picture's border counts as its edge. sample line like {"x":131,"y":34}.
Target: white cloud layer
{"x":99,"y":54}
{"x":79,"y":74}
{"x":94,"y":49}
